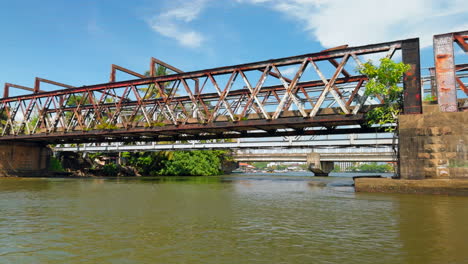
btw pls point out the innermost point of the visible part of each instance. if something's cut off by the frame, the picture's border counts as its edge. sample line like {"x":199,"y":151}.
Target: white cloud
{"x":290,"y":71}
{"x":173,"y":23}
{"x":358,"y":22}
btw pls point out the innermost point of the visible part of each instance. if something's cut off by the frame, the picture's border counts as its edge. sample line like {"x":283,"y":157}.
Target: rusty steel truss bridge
{"x":324,"y":95}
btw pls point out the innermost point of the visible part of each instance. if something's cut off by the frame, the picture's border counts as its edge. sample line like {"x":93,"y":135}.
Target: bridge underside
{"x":288,"y":126}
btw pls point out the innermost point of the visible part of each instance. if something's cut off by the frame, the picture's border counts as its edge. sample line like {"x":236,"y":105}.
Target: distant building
{"x":245,"y":166}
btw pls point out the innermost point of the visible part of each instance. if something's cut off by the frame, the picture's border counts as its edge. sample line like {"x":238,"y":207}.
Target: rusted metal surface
{"x":445,"y":72}
{"x":412,"y":101}
{"x":115,"y":68}
{"x":461,"y":38}
{"x":459,"y":68}
{"x":445,"y":69}
{"x":6,"y":89}
{"x":37,"y":86}
{"x":38,"y":81}
{"x":154,"y":62}
{"x":233,"y":101}
{"x":152,"y":71}
{"x":433,"y":82}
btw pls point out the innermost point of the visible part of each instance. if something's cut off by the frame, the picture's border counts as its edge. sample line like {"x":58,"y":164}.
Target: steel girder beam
{"x":445,"y":68}
{"x":412,"y":98}
{"x":134,"y":137}
{"x":6,"y":89}
{"x":111,"y":110}
{"x":362,"y":50}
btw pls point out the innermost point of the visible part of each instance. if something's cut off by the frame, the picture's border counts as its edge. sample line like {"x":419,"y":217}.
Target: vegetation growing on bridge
{"x":383,"y":84}
{"x":3,"y":119}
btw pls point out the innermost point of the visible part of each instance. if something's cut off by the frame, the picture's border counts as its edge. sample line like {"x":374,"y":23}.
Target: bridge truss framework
{"x":247,"y":100}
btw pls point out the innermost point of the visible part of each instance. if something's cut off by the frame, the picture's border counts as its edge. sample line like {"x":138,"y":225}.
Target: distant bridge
{"x":339,"y":141}
{"x":325,"y":155}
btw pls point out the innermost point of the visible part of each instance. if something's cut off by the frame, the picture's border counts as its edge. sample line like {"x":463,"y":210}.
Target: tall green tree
{"x":384,"y":81}
{"x":178,"y":163}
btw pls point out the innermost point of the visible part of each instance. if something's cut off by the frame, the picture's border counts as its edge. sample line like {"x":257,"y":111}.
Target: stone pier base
{"x":428,"y":186}
{"x":319,"y":168}
{"x":434,"y":145}
{"x":24,"y":159}
{"x":433,"y":155}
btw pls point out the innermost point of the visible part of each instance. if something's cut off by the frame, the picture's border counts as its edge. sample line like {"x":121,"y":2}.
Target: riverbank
{"x":132,"y":164}
{"x":427,"y":186}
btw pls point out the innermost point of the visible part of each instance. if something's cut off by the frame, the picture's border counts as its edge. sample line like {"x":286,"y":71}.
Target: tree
{"x":3,"y":118}
{"x":260,"y":165}
{"x":193,"y":163}
{"x":383,"y":82}
{"x":372,"y":167}
{"x":336,"y":168}
{"x":178,"y":163}
{"x":152,"y":91}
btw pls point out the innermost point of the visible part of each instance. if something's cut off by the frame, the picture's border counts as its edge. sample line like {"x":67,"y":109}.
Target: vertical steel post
{"x":37,"y":85}
{"x":445,"y":72}
{"x":6,"y":91}
{"x":433,"y":82}
{"x":412,"y":101}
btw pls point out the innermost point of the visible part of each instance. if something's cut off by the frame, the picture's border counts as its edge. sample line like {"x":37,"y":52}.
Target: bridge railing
{"x":278,"y":97}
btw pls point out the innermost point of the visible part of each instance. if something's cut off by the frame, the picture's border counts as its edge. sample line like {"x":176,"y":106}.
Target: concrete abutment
{"x":319,"y":168}
{"x":433,"y":155}
{"x":24,"y":159}
{"x":434,"y":145}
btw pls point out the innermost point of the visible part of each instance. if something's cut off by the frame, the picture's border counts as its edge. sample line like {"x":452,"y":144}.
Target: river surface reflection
{"x":229,"y":219}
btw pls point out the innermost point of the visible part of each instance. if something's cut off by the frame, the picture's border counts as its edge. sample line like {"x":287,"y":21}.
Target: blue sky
{"x":75,"y":42}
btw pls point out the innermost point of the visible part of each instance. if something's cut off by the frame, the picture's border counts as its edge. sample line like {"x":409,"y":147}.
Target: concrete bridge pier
{"x":319,"y":168}
{"x":24,"y":159}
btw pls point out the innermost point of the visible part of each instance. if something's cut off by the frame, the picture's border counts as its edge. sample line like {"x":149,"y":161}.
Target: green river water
{"x":229,"y":219}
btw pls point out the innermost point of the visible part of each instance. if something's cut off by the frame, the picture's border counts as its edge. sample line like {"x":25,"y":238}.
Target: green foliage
{"x":372,"y":167}
{"x":238,"y":117}
{"x":430,"y":98}
{"x":278,"y":167}
{"x":75,"y":100}
{"x":110,"y":169}
{"x":106,"y":126}
{"x":192,"y":163}
{"x":178,"y":163}
{"x":33,"y":122}
{"x":152,"y":91}
{"x":55,"y":165}
{"x":147,"y":163}
{"x":458,"y":163}
{"x":304,"y":166}
{"x":3,"y":118}
{"x":91,"y":155}
{"x":156,"y":124}
{"x":336,"y":168}
{"x":260,"y":165}
{"x":383,"y":83}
